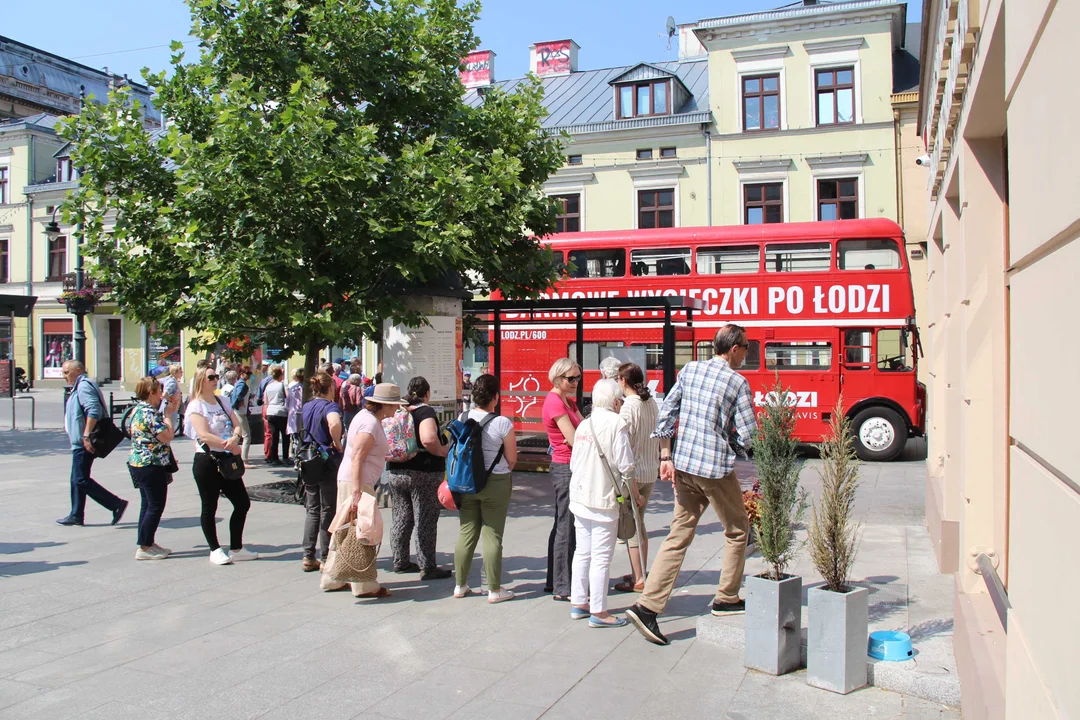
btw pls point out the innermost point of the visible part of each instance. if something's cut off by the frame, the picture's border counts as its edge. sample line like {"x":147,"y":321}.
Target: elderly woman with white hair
{"x":601,"y":461}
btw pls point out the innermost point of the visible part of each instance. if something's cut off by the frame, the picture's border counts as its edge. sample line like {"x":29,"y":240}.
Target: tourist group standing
{"x":351,"y":434}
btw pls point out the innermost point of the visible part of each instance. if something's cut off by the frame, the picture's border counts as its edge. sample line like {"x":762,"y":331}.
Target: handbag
{"x":172,"y":467}
{"x":627,"y":525}
{"x":105,"y":436}
{"x":350,"y":560}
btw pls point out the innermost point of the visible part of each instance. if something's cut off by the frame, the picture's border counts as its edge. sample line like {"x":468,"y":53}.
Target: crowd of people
{"x":603,"y":469}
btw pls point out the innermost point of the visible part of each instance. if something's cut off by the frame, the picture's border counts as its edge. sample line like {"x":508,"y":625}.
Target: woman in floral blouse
{"x":149,"y":460}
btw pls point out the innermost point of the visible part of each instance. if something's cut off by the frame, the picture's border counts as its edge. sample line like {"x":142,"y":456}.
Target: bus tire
{"x":880,"y":434}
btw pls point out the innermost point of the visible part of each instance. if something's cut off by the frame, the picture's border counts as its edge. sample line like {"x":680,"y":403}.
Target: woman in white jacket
{"x":594,"y":501}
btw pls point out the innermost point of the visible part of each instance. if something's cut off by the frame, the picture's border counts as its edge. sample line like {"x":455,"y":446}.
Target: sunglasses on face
{"x":211,"y":377}
{"x":572,"y":378}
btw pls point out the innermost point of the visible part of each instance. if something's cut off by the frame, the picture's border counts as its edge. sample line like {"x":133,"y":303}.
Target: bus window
{"x":594,"y":352}
{"x":798,"y":355}
{"x":733,"y":260}
{"x":654,"y":355}
{"x":797,"y":257}
{"x":598,"y":263}
{"x":753,"y":354}
{"x":867,"y":255}
{"x":662,"y":261}
{"x":894,"y":351}
{"x":857,"y":349}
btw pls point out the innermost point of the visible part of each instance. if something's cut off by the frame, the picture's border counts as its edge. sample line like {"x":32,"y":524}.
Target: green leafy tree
{"x":318,"y":160}
{"x":782,"y":502}
{"x":833,"y":536}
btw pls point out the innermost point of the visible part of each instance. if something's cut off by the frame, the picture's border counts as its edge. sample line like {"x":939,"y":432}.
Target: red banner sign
{"x":478,"y":68}
{"x":553,"y":57}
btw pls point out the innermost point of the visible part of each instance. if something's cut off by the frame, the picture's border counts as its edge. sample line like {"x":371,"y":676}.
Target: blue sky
{"x":110,"y":33}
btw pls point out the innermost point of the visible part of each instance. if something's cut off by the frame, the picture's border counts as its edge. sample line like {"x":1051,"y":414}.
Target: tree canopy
{"x":318,"y":158}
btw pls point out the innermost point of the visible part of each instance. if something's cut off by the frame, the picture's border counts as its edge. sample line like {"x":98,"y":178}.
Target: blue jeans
{"x":83,"y":486}
{"x":153,"y":484}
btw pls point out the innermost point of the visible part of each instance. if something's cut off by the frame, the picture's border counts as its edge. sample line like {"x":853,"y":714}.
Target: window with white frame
{"x":4,"y":185}
{"x":65,"y":171}
{"x":763,"y":203}
{"x":834,"y":92}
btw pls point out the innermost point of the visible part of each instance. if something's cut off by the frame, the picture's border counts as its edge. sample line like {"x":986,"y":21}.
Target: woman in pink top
{"x":362,"y":465}
{"x":561,"y":418}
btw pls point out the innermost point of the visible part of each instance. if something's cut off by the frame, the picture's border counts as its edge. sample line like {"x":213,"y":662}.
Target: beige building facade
{"x":1003,"y":493}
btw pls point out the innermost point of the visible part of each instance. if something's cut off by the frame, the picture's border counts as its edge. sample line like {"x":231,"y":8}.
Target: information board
{"x":430,"y":351}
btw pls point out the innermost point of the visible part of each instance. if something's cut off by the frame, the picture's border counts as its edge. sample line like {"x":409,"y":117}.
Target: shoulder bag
{"x":627,"y":525}
{"x":105,"y":436}
{"x":230,"y":466}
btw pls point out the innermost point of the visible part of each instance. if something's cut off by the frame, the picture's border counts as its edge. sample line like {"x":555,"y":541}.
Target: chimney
{"x":478,"y":69}
{"x":553,"y":58}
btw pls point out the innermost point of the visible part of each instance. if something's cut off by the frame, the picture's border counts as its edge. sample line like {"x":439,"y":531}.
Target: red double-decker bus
{"x":827,"y":305}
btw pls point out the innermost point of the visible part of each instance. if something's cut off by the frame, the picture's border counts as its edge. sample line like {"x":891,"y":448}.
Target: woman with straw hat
{"x":362,"y":466}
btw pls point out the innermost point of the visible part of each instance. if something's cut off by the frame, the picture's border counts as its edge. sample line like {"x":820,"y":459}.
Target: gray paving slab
{"x":86,"y":632}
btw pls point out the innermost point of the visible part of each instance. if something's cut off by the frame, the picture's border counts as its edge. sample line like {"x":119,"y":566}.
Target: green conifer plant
{"x":782,"y":503}
{"x":833,"y":536}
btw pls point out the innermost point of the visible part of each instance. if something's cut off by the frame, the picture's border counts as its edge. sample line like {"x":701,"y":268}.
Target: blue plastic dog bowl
{"x":890,"y":645}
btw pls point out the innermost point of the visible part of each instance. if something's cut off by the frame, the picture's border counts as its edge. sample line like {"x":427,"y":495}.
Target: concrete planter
{"x":773,"y":624}
{"x":836,"y":639}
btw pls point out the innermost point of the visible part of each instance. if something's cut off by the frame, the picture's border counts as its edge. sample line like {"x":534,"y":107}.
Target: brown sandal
{"x":380,"y":593}
{"x":627,"y":586}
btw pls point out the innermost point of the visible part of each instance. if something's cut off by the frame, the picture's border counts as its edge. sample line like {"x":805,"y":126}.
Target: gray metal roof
{"x":41,"y":121}
{"x":584,"y":101}
{"x":54,"y":82}
{"x":795,"y":10}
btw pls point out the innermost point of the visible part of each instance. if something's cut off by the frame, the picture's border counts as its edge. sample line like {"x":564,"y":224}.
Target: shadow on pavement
{"x":15,"y":548}
{"x":31,"y":567}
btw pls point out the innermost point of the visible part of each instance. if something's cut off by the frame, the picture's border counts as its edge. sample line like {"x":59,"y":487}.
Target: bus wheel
{"x":880,"y":434}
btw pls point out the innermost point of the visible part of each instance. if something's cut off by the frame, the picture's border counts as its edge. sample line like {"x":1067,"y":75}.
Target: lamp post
{"x":52,"y":231}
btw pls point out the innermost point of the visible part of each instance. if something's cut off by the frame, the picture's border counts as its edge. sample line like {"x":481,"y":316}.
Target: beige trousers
{"x":692,"y":494}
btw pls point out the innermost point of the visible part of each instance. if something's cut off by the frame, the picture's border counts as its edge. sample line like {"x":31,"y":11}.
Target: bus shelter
{"x":11,"y":307}
{"x":498,"y":314}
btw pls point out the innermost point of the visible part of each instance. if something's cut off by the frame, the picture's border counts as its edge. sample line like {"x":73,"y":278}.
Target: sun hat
{"x":386,"y":394}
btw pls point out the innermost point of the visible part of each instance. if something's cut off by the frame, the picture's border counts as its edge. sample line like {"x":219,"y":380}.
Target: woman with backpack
{"x":322,"y":426}
{"x":484,"y":513}
{"x":414,"y":489}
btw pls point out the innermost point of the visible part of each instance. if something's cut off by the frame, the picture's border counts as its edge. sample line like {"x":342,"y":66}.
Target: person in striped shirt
{"x":713,"y":408}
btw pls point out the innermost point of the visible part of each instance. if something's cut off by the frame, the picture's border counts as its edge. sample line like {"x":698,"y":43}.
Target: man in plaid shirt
{"x":710,"y":401}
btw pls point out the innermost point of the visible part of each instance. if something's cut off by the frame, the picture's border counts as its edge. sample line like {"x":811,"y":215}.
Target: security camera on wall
{"x":923,"y":161}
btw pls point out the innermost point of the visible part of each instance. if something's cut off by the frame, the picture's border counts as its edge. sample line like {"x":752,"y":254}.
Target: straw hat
{"x":386,"y":394}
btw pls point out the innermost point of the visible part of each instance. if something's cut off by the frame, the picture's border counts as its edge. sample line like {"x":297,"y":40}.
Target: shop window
{"x":567,"y":213}
{"x":656,"y":208}
{"x":838,"y":199}
{"x":661,"y":261}
{"x":763,"y":203}
{"x":835,"y":96}
{"x":5,"y":340}
{"x":867,"y":255}
{"x":894,"y":351}
{"x":797,"y":257}
{"x":728,"y":260}
{"x":761,"y":102}
{"x":162,"y":347}
{"x":57,"y":347}
{"x":798,"y":356}
{"x":598,"y":263}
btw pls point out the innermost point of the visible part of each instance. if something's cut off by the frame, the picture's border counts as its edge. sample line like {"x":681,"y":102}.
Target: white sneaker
{"x":499,"y":596}
{"x":220,"y":557}
{"x":150,"y":554}
{"x":242,"y":555}
{"x":461,"y":591}
{"x":157,"y":547}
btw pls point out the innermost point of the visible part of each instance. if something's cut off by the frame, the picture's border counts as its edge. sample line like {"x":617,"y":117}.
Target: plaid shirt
{"x":709,"y":400}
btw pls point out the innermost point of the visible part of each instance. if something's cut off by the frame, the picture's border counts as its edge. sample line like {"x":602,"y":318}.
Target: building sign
{"x":162,"y":348}
{"x":553,"y":58}
{"x":478,"y":69}
{"x":430,"y":351}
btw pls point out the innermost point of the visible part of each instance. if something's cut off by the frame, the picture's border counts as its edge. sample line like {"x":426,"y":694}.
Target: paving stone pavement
{"x":87,"y":632}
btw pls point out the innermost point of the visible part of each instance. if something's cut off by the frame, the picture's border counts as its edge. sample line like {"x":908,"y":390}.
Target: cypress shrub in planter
{"x":838,"y":622}
{"x":774,"y":599}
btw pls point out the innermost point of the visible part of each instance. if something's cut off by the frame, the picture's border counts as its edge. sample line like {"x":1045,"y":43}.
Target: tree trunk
{"x":314,"y":344}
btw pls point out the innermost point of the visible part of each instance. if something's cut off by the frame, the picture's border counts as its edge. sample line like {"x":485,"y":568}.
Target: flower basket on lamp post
{"x":81,"y":301}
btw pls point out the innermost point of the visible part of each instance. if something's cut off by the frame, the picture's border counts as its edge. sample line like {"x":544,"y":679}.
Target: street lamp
{"x":52,"y":231}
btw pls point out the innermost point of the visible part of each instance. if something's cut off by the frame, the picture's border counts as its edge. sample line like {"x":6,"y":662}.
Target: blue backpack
{"x":466,"y":472}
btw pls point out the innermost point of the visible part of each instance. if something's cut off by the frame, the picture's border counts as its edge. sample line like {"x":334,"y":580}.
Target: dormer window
{"x":65,"y":171}
{"x":643,"y":99}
